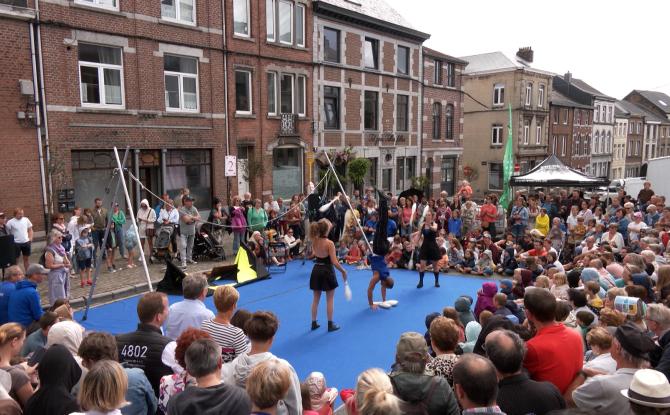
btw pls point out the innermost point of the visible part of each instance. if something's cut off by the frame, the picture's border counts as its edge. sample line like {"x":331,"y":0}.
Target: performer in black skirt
{"x":429,"y":250}
{"x":323,"y":274}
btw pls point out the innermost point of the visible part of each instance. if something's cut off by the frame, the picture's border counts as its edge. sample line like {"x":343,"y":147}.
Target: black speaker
{"x":7,"y":251}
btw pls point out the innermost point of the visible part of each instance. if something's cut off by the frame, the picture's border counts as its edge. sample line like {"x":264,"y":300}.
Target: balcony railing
{"x":288,"y":127}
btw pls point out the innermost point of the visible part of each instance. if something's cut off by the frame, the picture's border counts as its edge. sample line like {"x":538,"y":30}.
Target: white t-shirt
{"x":19,"y":228}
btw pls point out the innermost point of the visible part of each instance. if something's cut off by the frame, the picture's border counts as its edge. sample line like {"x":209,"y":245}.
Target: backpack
{"x":43,"y":258}
{"x":416,"y":407}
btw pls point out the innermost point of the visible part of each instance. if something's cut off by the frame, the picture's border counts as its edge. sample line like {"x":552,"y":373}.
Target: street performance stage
{"x":367,"y":339}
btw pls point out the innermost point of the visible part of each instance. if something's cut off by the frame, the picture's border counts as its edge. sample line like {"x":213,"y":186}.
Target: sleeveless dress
{"x":429,"y":249}
{"x":323,"y":275}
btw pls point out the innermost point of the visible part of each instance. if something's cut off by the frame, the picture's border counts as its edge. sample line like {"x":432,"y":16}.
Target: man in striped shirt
{"x":232,"y":339}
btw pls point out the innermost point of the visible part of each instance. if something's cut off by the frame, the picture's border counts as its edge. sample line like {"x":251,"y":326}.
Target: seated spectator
{"x":24,"y":305}
{"x":268,"y":383}
{"x":577,"y":299}
{"x":232,"y":340}
{"x":463,"y":306}
{"x":648,"y":393}
{"x":292,"y":243}
{"x":58,"y":372}
{"x":450,"y":312}
{"x":485,"y":298}
{"x":592,"y":288}
{"x":506,"y":351}
{"x":373,"y":395}
{"x":38,"y":339}
{"x":140,"y":395}
{"x":658,"y":322}
{"x":321,"y":397}
{"x":240,"y":318}
{"x":484,"y":265}
{"x":630,"y":350}
{"x":544,"y":361}
{"x":191,"y":311}
{"x":69,"y":334}
{"x":178,"y":381}
{"x":428,"y":321}
{"x":412,"y":384}
{"x":472,"y":330}
{"x":152,"y":310}
{"x":559,"y":288}
{"x":476,"y":385}
{"x":211,"y":395}
{"x":468,"y":263}
{"x":354,"y":256}
{"x":600,"y":360}
{"x":103,"y":390}
{"x":443,"y":339}
{"x":261,"y":330}
{"x":12,"y":336}
{"x":12,"y":275}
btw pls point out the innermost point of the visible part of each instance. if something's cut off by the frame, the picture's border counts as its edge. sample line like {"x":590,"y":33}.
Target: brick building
{"x":367,"y":97}
{"x":657,"y":105}
{"x":570,"y":131}
{"x":21,"y":137}
{"x":442,"y":144}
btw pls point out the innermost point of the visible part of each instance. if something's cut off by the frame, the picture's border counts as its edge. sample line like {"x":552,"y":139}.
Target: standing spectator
{"x":257,"y":217}
{"x":644,"y":195}
{"x":59,"y":373}
{"x":268,"y":384}
{"x":99,"y":216}
{"x":12,"y":336}
{"x":545,"y":361}
{"x":261,"y":329}
{"x":83,"y":254}
{"x":238,"y":223}
{"x":13,"y":275}
{"x":146,"y":218}
{"x":103,"y":390}
{"x":56,"y":261}
{"x":99,"y":346}
{"x":232,"y":339}
{"x":22,"y":229}
{"x":179,"y":200}
{"x":519,"y":218}
{"x":488,"y":215}
{"x":188,"y":216}
{"x":144,"y":347}
{"x":24,"y":305}
{"x":506,"y":351}
{"x":191,"y":311}
{"x":630,"y":350}
{"x":658,"y":322}
{"x":413,"y":385}
{"x":3,"y":224}
{"x":211,"y":395}
{"x":73,"y":223}
{"x":170,"y":216}
{"x":476,"y":385}
{"x":59,"y":225}
{"x":271,"y":204}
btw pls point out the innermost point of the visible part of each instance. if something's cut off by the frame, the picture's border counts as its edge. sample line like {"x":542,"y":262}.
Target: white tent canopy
{"x":552,"y":172}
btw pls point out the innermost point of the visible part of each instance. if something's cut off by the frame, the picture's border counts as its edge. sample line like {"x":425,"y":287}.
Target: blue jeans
{"x":236,"y":242}
{"x":118,"y":234}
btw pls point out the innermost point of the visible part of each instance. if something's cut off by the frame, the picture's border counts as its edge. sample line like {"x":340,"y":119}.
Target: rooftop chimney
{"x":526,"y":54}
{"x":567,"y":77}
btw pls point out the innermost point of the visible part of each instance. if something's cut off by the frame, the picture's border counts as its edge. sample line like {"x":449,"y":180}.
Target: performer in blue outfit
{"x":380,"y":247}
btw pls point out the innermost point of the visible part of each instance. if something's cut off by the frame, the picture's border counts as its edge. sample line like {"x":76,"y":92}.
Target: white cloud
{"x":615,"y":46}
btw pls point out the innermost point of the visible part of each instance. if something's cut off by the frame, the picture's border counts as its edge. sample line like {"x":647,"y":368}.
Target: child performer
{"x":380,"y":248}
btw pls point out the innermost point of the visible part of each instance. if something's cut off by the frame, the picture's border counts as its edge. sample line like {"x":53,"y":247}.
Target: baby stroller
{"x":162,"y":243}
{"x":205,"y":245}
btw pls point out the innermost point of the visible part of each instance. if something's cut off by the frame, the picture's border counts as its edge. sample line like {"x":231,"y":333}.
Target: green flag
{"x":508,"y":163}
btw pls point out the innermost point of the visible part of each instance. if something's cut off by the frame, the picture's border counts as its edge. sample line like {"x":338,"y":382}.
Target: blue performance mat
{"x":366,"y":339}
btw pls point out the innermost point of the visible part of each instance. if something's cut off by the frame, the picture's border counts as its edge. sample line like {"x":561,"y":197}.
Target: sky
{"x":615,"y":46}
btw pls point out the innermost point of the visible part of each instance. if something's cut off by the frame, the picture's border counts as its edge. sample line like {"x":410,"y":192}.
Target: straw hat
{"x":649,"y":388}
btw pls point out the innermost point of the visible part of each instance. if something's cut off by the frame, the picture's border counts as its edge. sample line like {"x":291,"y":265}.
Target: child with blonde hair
{"x":559,"y":288}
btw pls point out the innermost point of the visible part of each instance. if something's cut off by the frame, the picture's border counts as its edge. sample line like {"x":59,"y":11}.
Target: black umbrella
{"x":410,"y":193}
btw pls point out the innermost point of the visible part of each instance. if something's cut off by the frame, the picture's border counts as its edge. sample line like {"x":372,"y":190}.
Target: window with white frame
{"x":540,"y":96}
{"x":270,"y":31}
{"x":103,"y":4}
{"x":182,"y":11}
{"x":496,"y":135}
{"x":300,"y":25}
{"x":241,"y":18}
{"x":575,"y":146}
{"x":437,"y":72}
{"x":637,"y":127}
{"x":301,"y":92}
{"x":449,"y":118}
{"x":578,"y":116}
{"x":529,"y":93}
{"x":499,"y":94}
{"x":596,"y":113}
{"x":286,"y":91}
{"x":526,"y":132}
{"x":286,"y":22}
{"x":402,"y":59}
{"x":566,"y":115}
{"x":101,"y":76}
{"x":181,"y":83}
{"x":557,"y":115}
{"x":331,"y":45}
{"x":331,"y":107}
{"x":451,"y":74}
{"x":538,"y":134}
{"x":596,"y":142}
{"x":243,"y":92}
{"x":587,"y":145}
{"x":402,"y":112}
{"x":577,"y":139}
{"x":272,"y":93}
{"x":563,"y":146}
{"x":371,"y":53}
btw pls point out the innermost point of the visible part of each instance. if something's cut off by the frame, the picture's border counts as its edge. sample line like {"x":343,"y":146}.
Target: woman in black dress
{"x":323,"y":274}
{"x":429,"y":250}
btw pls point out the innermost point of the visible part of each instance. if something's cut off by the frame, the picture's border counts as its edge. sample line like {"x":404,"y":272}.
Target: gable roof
{"x":580,"y":84}
{"x":496,"y":62}
{"x":376,"y":14}
{"x":558,"y":99}
{"x":436,"y":54}
{"x":628,"y":109}
{"x":658,"y":99}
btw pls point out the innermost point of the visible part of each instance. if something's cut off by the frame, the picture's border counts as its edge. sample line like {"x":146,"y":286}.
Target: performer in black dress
{"x":323,"y":274}
{"x":380,"y":247}
{"x":429,"y":250}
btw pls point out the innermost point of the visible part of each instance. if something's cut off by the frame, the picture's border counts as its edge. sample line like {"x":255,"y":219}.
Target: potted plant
{"x":357,"y":169}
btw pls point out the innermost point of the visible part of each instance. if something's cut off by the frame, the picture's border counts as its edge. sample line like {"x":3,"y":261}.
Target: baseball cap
{"x":36,"y":269}
{"x":411,"y":347}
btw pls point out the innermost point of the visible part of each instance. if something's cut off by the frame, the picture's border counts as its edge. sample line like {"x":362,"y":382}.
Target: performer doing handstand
{"x":380,"y":247}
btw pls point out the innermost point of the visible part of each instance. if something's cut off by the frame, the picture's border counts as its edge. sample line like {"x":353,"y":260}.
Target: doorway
{"x":152,"y":179}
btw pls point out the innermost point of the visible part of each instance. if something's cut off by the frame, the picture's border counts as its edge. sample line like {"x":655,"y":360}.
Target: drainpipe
{"x":44,"y":104}
{"x":38,"y":122}
{"x":420,"y":116}
{"x":225,"y":92}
